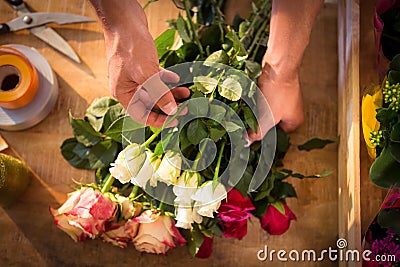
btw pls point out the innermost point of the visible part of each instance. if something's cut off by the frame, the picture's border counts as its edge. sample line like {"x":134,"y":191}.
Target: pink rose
{"x":120,"y":234}
{"x":274,"y":221}
{"x":84,"y":213}
{"x":234,"y":213}
{"x":205,"y":249}
{"x":157,"y":234}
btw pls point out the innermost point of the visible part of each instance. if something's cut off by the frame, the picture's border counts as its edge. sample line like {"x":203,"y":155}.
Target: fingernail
{"x":170,"y":108}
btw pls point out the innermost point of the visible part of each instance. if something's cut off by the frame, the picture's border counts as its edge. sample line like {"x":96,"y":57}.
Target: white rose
{"x":169,"y":169}
{"x":128,"y":163}
{"x":207,"y":199}
{"x":185,"y":215}
{"x":186,"y":186}
{"x":145,"y":173}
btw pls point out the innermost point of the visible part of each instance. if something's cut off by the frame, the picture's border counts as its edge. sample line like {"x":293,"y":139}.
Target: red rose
{"x":234,"y":213}
{"x":276,"y":222}
{"x":205,"y":249}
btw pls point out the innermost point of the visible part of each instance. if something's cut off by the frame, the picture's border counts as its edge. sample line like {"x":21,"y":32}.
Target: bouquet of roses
{"x":160,"y":188}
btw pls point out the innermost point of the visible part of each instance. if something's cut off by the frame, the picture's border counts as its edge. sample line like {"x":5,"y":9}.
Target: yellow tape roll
{"x":19,"y":80}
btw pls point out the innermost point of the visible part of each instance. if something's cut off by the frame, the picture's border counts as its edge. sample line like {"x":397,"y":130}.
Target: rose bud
{"x":277,"y":217}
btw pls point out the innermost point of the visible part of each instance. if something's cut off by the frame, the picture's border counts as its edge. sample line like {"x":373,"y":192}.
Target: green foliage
{"x":315,"y":143}
{"x":390,"y":218}
{"x":386,"y":166}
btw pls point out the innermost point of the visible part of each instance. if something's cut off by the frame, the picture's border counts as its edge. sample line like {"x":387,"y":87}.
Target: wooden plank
{"x":27,"y":232}
{"x":349,"y":125}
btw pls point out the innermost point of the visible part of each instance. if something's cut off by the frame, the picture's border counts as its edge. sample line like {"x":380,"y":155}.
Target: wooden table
{"x":28,"y":236}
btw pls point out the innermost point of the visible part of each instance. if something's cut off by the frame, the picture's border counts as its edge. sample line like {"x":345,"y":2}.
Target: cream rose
{"x":157,"y":234}
{"x":84,"y":213}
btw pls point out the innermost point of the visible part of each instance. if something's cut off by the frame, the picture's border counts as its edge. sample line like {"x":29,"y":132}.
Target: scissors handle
{"x":4,"y":28}
{"x":15,"y":3}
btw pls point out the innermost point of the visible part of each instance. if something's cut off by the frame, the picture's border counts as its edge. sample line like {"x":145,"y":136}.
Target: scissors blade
{"x":52,"y":38}
{"x":30,"y":20}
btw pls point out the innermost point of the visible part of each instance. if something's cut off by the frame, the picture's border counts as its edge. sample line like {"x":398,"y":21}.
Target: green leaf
{"x":91,"y":158}
{"x":385,"y":170}
{"x":205,"y":84}
{"x":219,"y":56}
{"x":253,"y":69}
{"x":77,"y":160}
{"x":266,"y":187}
{"x":183,"y":29}
{"x":122,"y":125}
{"x":217,"y":133}
{"x":194,"y":239}
{"x":102,"y":154}
{"x":390,"y":218}
{"x":84,"y":132}
{"x":100,"y":106}
{"x":250,"y":119}
{"x":113,"y":113}
{"x":282,"y":142}
{"x":395,"y":63}
{"x":395,"y":134}
{"x":315,"y":143}
{"x":196,"y":132}
{"x":237,"y":45}
{"x":230,"y":89}
{"x":188,"y":52}
{"x":243,"y":184}
{"x":394,"y":77}
{"x":97,"y":112}
{"x":164,"y":42}
{"x":301,"y":176}
{"x":230,"y":126}
{"x":198,"y":107}
{"x":386,"y":117}
{"x":209,"y":37}
{"x":243,"y":28}
{"x":171,"y":59}
{"x":283,"y":190}
{"x":217,"y":112}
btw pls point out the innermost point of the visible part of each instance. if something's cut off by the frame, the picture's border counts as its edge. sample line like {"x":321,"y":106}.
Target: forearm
{"x":290,"y":30}
{"x":116,"y":15}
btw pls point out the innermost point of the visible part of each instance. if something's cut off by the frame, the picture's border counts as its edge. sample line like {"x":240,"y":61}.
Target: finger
{"x":180,"y":92}
{"x":289,"y":126}
{"x":168,"y":76}
{"x":158,"y":120}
{"x":253,"y":136}
{"x":161,"y":95}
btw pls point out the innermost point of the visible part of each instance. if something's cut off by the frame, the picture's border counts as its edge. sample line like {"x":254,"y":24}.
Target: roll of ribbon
{"x":14,"y":179}
{"x":28,"y":90}
{"x":19,"y":80}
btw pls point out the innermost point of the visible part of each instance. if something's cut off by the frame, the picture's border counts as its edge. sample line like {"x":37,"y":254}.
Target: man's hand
{"x":281,"y":98}
{"x":135,"y":77}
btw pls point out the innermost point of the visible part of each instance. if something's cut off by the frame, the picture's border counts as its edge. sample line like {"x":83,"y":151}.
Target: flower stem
{"x":197,"y":160}
{"x":193,"y":28}
{"x":221,"y":152}
{"x":107,"y":185}
{"x":135,"y":189}
{"x":154,"y":136}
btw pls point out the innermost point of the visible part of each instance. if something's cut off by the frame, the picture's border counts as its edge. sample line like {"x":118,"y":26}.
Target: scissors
{"x":36,"y":22}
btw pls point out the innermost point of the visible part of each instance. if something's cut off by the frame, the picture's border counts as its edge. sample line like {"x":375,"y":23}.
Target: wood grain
{"x":349,"y":125}
{"x":28,"y":236}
